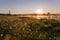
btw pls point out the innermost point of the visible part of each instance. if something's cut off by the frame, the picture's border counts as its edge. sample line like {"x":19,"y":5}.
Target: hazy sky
{"x":29,"y":6}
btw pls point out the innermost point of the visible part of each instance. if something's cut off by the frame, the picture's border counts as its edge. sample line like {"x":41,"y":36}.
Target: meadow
{"x":24,"y":28}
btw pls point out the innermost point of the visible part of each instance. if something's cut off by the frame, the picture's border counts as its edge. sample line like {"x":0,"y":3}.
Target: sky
{"x":29,"y":6}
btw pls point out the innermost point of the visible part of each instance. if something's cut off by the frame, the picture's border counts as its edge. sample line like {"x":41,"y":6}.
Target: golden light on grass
{"x":41,"y":16}
{"x":38,"y":17}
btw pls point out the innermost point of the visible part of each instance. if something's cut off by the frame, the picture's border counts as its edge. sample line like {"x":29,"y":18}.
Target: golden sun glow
{"x":39,"y":11}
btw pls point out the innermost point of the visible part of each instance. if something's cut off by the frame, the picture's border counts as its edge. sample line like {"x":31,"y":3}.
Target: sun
{"x":39,"y":11}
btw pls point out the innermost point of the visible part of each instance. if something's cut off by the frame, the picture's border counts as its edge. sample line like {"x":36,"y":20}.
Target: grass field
{"x":24,"y":28}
